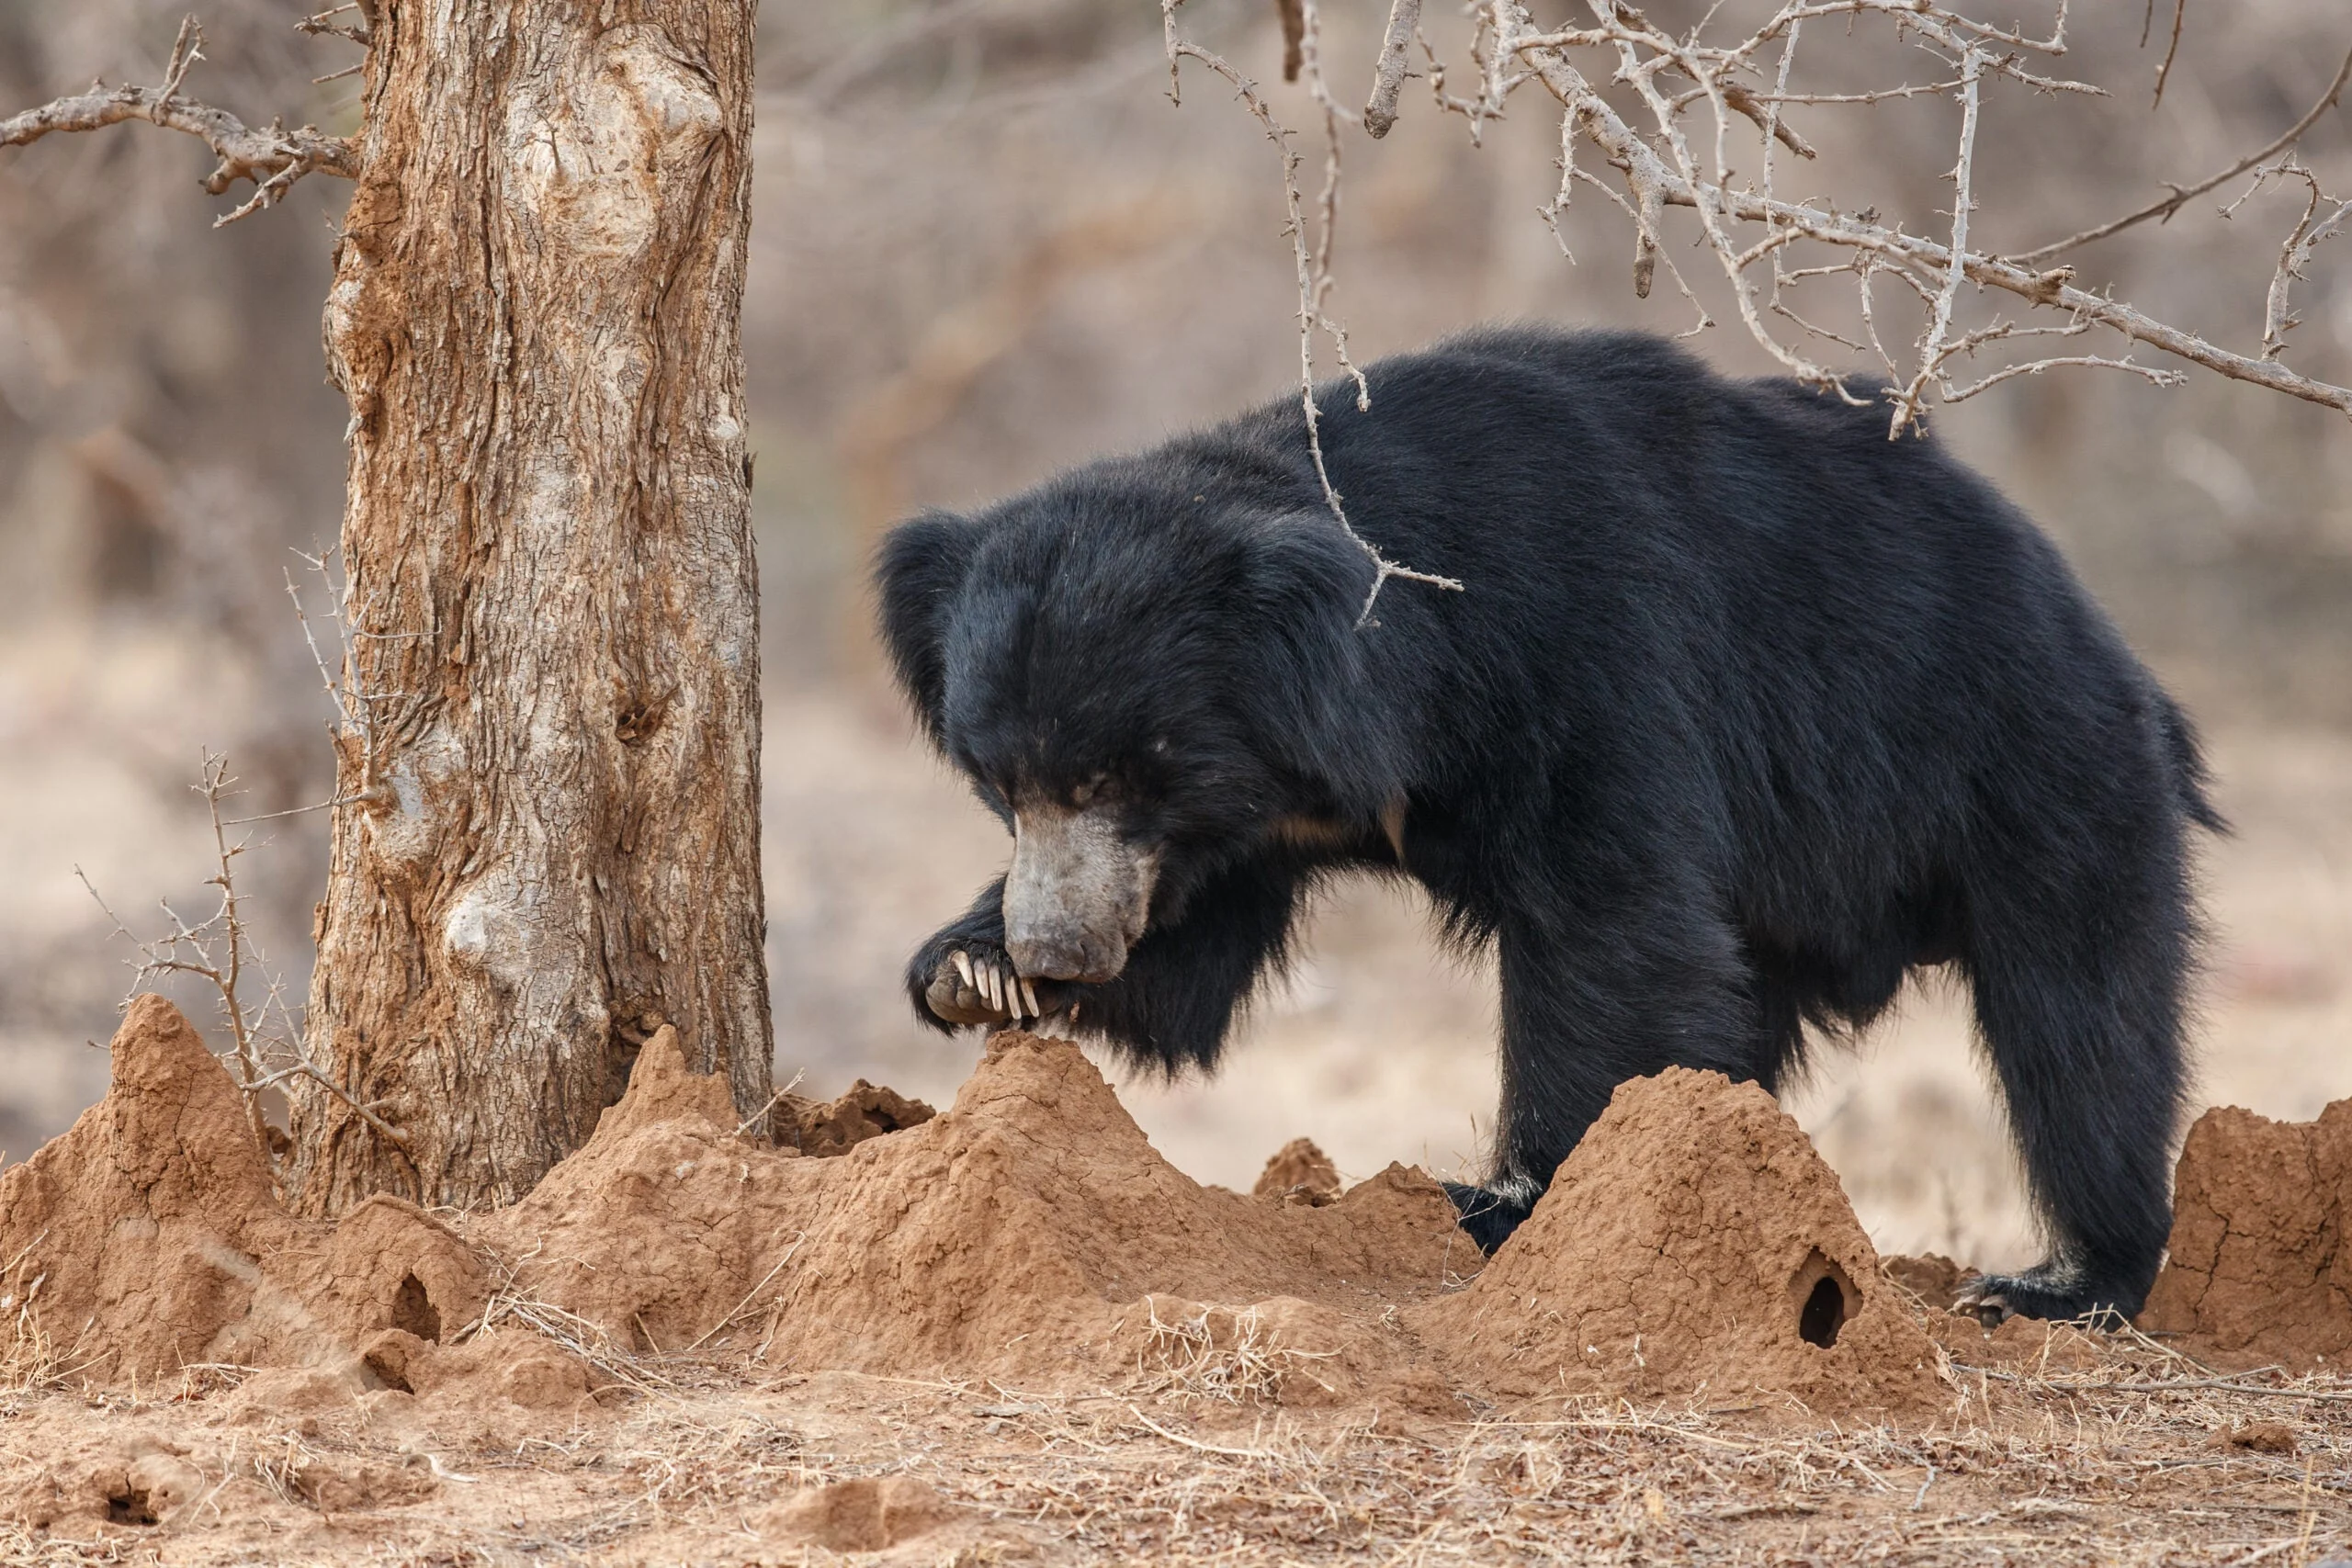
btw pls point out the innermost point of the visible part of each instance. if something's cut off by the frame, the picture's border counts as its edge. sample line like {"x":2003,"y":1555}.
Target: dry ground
{"x":2134,"y":1456}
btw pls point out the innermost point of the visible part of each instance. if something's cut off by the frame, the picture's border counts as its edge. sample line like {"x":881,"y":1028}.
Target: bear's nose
{"x":1064,"y":955}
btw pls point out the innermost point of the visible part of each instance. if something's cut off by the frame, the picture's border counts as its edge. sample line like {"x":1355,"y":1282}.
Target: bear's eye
{"x":1101,"y":788}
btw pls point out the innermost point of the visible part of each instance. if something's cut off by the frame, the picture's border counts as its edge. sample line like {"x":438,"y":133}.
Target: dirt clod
{"x":836,"y":1126}
{"x":1933,"y":1278}
{"x":869,"y":1514}
{"x":2259,"y":1437}
{"x":1299,"y":1173}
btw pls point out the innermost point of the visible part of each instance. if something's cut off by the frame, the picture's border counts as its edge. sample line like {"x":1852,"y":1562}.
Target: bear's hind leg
{"x":2081,"y":1014}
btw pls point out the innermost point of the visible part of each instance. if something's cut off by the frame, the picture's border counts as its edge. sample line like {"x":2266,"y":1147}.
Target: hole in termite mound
{"x":413,"y":1311}
{"x":132,"y":1506}
{"x":389,"y":1369}
{"x":1824,"y":1298}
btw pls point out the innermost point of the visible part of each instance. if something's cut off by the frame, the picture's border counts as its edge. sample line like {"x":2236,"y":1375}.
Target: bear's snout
{"x":1064,"y":954}
{"x":1077,"y":896}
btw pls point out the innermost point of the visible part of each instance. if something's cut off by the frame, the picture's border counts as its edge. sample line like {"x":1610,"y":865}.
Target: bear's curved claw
{"x":1988,"y":1306}
{"x":2050,"y":1291}
{"x":977,"y":986}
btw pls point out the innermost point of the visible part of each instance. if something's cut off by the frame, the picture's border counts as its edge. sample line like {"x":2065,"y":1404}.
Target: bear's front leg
{"x":963,"y":975}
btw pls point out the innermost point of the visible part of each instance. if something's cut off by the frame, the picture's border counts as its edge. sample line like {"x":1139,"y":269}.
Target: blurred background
{"x":986,"y":245}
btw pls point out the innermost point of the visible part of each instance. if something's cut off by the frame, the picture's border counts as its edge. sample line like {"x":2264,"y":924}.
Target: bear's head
{"x":1146,"y":671}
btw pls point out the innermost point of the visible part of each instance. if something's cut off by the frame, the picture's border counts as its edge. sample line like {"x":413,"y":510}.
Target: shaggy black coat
{"x":1744,"y":712}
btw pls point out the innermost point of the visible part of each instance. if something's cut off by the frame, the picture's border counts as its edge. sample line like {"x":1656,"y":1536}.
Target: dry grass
{"x":1225,"y":1354}
{"x":30,"y":1358}
{"x":2113,"y":1449}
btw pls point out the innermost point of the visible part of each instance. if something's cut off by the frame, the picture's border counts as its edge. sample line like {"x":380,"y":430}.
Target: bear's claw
{"x":972,"y":986}
{"x":2049,"y":1291}
{"x":1987,"y":1306}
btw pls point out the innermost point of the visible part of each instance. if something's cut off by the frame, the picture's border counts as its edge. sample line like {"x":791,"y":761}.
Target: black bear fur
{"x":1744,"y":711}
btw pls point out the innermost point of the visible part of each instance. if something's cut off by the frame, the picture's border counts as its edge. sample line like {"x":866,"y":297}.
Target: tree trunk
{"x":550,"y":843}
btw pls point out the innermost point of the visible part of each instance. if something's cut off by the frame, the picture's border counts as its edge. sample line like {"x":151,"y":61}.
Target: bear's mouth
{"x":1077,"y":894}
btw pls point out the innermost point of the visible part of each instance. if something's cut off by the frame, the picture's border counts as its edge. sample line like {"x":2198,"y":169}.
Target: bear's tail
{"x":2191,"y":775}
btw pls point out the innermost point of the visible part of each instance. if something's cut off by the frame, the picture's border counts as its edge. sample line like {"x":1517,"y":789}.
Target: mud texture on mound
{"x":1693,"y":1243}
{"x":148,"y":1237}
{"x":1299,"y":1173}
{"x":832,"y":1127}
{"x":1028,"y":1232}
{"x":1694,"y":1240}
{"x":2259,"y":1266}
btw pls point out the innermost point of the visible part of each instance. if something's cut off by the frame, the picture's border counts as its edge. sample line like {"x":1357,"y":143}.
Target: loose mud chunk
{"x":1300,"y":1173}
{"x":2259,"y":1437}
{"x":1933,"y":1278}
{"x":867,"y":1110}
{"x":869,"y":1514}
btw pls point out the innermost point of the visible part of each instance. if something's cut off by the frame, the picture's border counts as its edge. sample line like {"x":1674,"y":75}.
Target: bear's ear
{"x":918,"y":572}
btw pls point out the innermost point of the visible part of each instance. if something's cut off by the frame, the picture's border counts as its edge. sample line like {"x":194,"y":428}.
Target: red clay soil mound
{"x":147,"y":1236}
{"x":1030,"y":1231}
{"x":1694,"y":1240}
{"x":2258,"y":1264}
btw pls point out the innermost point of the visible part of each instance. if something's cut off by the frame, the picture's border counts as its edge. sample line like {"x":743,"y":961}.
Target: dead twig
{"x":1704,"y":99}
{"x":273,"y":159}
{"x":2182,"y":195}
{"x":2310,"y":231}
{"x":1314,"y":279}
{"x":265,"y":1049}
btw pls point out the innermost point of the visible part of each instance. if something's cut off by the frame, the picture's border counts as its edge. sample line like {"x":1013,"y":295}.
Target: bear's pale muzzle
{"x":1077,"y":894}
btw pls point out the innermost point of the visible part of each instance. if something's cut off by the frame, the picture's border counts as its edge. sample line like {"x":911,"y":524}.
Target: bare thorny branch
{"x":1699,"y":100}
{"x":1313,"y":261}
{"x":265,"y":1042}
{"x":273,"y":159}
{"x":2323,"y":218}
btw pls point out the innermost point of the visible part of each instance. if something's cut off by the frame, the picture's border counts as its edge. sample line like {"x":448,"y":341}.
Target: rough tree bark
{"x":547,"y":840}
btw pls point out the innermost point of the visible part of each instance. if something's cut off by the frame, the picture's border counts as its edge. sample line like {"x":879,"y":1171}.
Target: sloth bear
{"x":1743,"y":712}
